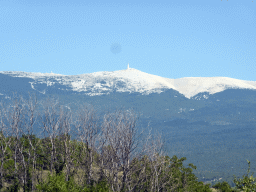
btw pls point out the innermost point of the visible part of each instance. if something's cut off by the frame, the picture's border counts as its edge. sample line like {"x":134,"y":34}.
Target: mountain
{"x":209,"y":120}
{"x":153,"y":96}
{"x":130,"y":80}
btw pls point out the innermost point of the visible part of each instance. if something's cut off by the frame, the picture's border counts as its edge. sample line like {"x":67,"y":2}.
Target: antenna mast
{"x":128,"y":66}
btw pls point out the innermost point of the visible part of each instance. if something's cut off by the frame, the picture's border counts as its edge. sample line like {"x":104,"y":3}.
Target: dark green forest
{"x":74,"y":152}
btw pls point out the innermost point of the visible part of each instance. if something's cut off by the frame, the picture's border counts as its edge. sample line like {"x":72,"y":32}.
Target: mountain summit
{"x":131,"y":80}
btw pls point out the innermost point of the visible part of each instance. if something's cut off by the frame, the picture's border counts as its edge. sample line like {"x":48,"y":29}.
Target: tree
{"x":69,"y":147}
{"x":57,"y":183}
{"x":246,"y":184}
{"x":4,"y":143}
{"x":87,"y":133}
{"x":30,"y":143}
{"x":116,"y":156}
{"x":15,"y":118}
{"x":51,"y":129}
{"x":122,"y":144}
{"x":224,"y":186}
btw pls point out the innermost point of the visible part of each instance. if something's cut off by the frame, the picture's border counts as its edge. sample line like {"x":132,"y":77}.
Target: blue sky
{"x":173,"y":39}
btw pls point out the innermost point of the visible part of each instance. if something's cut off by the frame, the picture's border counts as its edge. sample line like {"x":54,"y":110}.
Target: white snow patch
{"x":132,"y":80}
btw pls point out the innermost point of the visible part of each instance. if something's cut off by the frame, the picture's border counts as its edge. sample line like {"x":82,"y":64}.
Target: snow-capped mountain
{"x":154,"y":96}
{"x":131,"y":80}
{"x":193,"y":113}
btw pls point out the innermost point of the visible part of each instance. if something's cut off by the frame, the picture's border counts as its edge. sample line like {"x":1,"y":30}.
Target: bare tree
{"x":31,"y":106}
{"x":15,"y":116}
{"x":65,"y":137}
{"x":156,"y":161}
{"x":22,"y":132}
{"x":87,"y":132}
{"x":51,"y":127}
{"x":117,"y":148}
{"x":123,"y":144}
{"x":4,"y":142}
{"x":129,"y":161}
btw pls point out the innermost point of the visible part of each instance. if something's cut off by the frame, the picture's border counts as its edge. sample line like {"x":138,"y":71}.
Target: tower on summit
{"x":128,"y":66}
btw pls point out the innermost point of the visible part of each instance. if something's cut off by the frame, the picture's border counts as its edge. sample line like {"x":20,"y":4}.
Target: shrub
{"x":57,"y":183}
{"x":224,"y":186}
{"x":246,"y":184}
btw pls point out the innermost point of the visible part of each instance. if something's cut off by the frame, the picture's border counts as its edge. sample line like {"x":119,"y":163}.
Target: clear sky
{"x":173,"y":39}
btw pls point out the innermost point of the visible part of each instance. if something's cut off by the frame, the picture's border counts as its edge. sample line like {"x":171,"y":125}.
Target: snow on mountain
{"x":133,"y":80}
{"x":191,"y":86}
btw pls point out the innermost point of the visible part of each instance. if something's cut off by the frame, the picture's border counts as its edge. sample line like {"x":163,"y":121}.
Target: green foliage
{"x":15,"y":187}
{"x":43,"y":154}
{"x":28,"y":185}
{"x":246,"y":184}
{"x":59,"y":165}
{"x":182,"y":177}
{"x":173,"y":168}
{"x":100,"y":187}
{"x":171,"y":174}
{"x":57,"y":183}
{"x":185,"y":177}
{"x":9,"y":169}
{"x":223,"y":187}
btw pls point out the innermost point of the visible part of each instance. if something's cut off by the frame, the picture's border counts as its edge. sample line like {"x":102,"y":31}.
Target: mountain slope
{"x":130,"y":80}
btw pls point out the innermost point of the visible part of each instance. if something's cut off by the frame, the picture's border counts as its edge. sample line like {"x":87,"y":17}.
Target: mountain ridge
{"x":133,"y":80}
